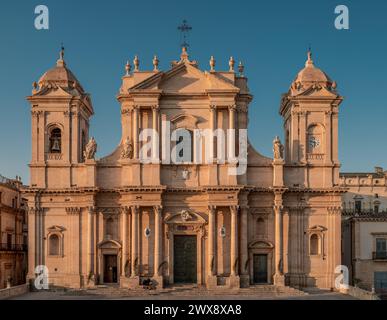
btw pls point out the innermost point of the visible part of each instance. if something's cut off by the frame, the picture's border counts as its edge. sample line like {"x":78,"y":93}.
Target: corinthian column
{"x":158,"y":241}
{"x":135,"y":213}
{"x":234,"y":240}
{"x":211,"y":241}
{"x":278,"y":207}
{"x":155,"y":137}
{"x":135,"y":132}
{"x":124,"y":237}
{"x":243,"y":237}
{"x":213,"y":128}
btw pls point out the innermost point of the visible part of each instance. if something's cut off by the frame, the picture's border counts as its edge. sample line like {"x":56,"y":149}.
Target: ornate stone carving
{"x":91,"y":149}
{"x":185,"y":215}
{"x":73,"y":210}
{"x":127,"y":149}
{"x":278,"y":149}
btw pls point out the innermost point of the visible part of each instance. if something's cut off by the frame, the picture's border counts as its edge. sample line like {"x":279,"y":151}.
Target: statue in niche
{"x":90,"y":149}
{"x":278,"y":149}
{"x":127,"y":149}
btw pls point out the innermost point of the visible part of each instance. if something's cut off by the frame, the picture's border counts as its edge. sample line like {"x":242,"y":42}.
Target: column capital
{"x":135,"y":209}
{"x":155,"y":107}
{"x":232,"y":107}
{"x":234,"y":209}
{"x":278,"y":207}
{"x":126,"y":111}
{"x":158,"y":209}
{"x":213,"y":107}
{"x":211,"y":208}
{"x":125,"y":210}
{"x":91,"y":209}
{"x":73,"y":210}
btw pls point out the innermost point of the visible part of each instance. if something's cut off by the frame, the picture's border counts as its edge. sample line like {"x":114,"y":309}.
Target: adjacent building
{"x":119,"y":219}
{"x":364,"y":244}
{"x":13,"y":233}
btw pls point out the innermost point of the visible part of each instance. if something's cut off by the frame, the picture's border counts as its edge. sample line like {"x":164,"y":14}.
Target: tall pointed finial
{"x":62,"y":52}
{"x":241,"y":69}
{"x":212,"y":63}
{"x":309,"y":61}
{"x":136,"y":63}
{"x":61,"y":62}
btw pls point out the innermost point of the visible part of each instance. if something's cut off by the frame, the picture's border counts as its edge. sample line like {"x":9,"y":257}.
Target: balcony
{"x":13,"y":247}
{"x":315,"y":156}
{"x":54,"y":156}
{"x":379,"y":255}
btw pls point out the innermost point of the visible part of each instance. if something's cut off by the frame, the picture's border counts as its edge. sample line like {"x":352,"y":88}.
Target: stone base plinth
{"x":212,"y":282}
{"x":133,"y":282}
{"x":244,"y":280}
{"x":279,"y":280}
{"x":235,"y":282}
{"x":159,"y":281}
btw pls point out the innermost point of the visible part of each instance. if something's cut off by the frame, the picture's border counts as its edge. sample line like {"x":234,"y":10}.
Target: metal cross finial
{"x":184,"y":28}
{"x":62,"y":49}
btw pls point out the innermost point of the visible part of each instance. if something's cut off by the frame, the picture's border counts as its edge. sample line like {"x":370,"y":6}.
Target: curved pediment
{"x":56,"y":228}
{"x":109,"y":244}
{"x":183,"y":217}
{"x":261,"y":244}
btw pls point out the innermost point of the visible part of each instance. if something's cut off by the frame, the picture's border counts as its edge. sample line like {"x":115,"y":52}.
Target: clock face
{"x":314,"y":142}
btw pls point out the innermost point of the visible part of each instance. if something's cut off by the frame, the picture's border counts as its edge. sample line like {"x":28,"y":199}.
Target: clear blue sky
{"x":271,"y":37}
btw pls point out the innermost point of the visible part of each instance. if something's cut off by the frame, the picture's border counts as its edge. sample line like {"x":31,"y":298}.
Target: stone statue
{"x":90,"y":150}
{"x":127,"y":149}
{"x":278,"y":149}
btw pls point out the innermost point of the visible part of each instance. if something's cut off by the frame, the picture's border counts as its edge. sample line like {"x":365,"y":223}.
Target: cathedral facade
{"x":247,"y":219}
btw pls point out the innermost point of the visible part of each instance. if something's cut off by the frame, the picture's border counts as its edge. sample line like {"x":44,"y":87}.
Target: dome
{"x":60,"y":76}
{"x":311,"y":76}
{"x":311,"y":73}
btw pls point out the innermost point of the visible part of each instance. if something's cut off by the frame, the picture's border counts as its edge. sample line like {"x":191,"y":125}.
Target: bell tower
{"x":310,"y":111}
{"x":60,"y":111}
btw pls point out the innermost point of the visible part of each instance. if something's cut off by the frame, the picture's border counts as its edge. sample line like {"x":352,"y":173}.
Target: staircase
{"x":192,"y":291}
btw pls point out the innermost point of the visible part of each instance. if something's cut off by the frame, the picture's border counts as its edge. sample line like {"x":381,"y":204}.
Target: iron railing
{"x":379,"y":255}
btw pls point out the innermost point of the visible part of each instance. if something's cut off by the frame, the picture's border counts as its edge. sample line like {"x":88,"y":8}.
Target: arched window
{"x":314,"y":245}
{"x":55,"y":141}
{"x":261,"y":228}
{"x":54,"y":245}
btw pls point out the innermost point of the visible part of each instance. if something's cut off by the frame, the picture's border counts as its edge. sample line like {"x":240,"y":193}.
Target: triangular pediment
{"x":185,"y":78}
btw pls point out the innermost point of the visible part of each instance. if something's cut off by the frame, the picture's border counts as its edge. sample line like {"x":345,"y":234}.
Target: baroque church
{"x":121,"y":220}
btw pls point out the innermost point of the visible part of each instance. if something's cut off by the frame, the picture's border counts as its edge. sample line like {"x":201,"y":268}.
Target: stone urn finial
{"x":231,"y":64}
{"x":128,"y":67}
{"x":155,"y":63}
{"x":136,"y":63}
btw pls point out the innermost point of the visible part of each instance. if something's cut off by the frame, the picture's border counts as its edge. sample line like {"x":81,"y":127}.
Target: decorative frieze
{"x":73,"y":210}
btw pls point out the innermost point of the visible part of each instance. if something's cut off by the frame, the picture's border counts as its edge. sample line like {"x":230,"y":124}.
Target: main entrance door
{"x":110,"y":269}
{"x":260,"y":268}
{"x":184,"y":260}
